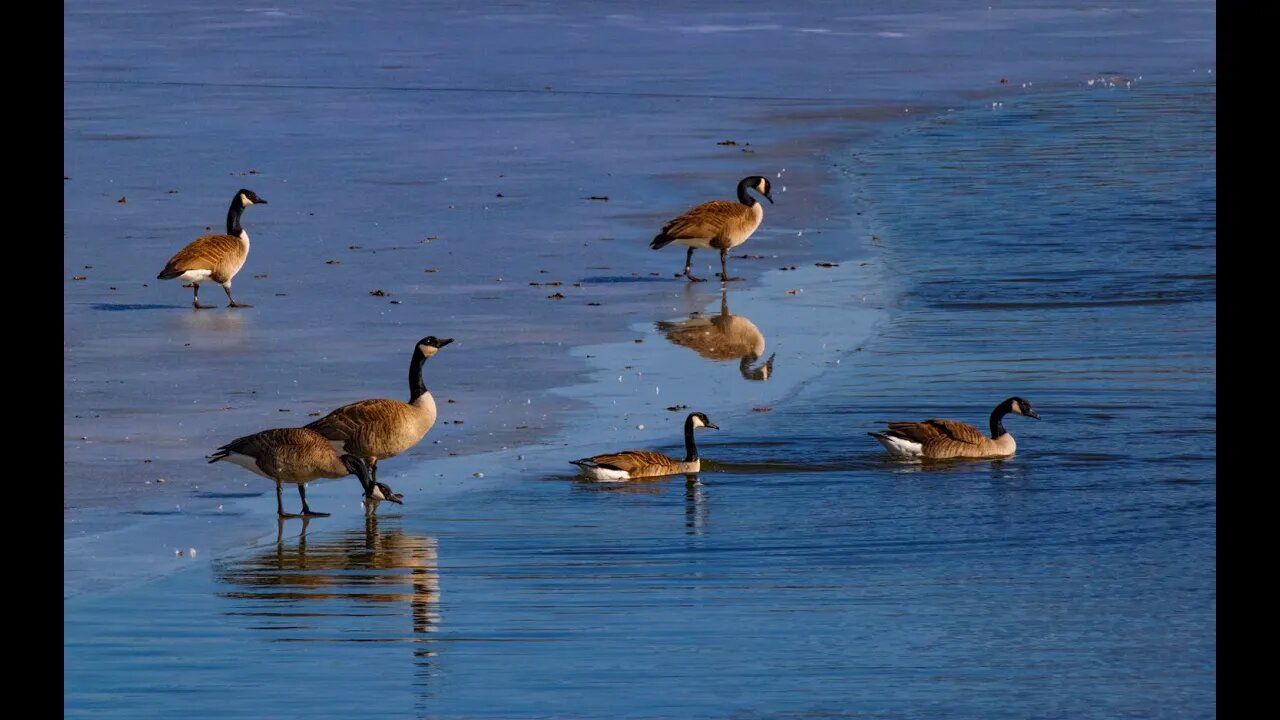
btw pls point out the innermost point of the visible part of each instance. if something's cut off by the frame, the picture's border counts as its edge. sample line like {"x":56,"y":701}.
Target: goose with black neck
{"x":379,"y":428}
{"x":633,"y":464}
{"x":939,"y":439}
{"x":215,"y":258}
{"x":719,"y":224}
{"x":298,"y":456}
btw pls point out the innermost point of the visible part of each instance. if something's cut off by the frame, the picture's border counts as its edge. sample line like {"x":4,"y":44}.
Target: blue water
{"x":1060,"y":247}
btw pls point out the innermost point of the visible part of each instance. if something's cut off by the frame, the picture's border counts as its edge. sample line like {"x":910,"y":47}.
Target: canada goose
{"x":632,"y":464}
{"x":938,"y":439}
{"x":215,"y":257}
{"x":722,"y":337}
{"x":377,"y":429}
{"x":719,"y":224}
{"x":296,"y":455}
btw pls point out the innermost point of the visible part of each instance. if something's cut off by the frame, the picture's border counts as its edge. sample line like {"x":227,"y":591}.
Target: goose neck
{"x":417,"y":388}
{"x":690,"y":447}
{"x":233,"y":218}
{"x":997,"y":419}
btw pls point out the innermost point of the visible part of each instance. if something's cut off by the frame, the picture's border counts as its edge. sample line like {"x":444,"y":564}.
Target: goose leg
{"x":195,"y":299}
{"x":306,"y":511}
{"x":688,"y":264}
{"x":724,"y":271}
{"x":233,"y":303}
{"x":280,"y":504}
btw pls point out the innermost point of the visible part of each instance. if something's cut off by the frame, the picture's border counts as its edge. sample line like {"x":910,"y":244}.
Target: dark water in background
{"x":1061,"y":248}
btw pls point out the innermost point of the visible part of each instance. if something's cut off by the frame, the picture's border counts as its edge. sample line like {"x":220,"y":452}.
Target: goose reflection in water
{"x":229,"y":327}
{"x":352,"y":587}
{"x":696,"y":510}
{"x":722,"y":337}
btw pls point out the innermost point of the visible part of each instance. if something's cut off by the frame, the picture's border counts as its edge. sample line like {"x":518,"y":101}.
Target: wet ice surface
{"x":806,"y":574}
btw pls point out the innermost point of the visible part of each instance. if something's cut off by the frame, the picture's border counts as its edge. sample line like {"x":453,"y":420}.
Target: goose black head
{"x":430,"y":344}
{"x":382,"y":491}
{"x":759,"y":373}
{"x":249,"y":197}
{"x":699,"y":420}
{"x":1018,"y":406}
{"x":762,"y":186}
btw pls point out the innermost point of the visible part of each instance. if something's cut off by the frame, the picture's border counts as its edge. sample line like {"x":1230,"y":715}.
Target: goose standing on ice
{"x":298,"y":456}
{"x":718,"y":224}
{"x":215,"y":258}
{"x":378,"y":429}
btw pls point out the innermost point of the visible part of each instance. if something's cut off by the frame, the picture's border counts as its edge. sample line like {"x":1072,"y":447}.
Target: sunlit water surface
{"x":1060,"y":247}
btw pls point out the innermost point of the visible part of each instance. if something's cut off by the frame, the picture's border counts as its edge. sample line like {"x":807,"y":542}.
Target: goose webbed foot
{"x":724,"y":268}
{"x":688,"y":265}
{"x":195,"y":298}
{"x":307,"y":512}
{"x":231,"y":301}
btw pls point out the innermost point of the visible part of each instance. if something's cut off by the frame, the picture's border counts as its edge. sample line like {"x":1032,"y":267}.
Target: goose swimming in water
{"x":632,"y":464}
{"x":941,"y":439}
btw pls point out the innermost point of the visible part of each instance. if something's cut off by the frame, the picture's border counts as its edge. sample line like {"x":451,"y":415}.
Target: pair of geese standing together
{"x":353,"y":438}
{"x":719,"y":224}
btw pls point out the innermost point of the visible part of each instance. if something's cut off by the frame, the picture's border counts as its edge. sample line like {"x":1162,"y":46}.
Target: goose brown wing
{"x":936,"y":429}
{"x":279,"y":449}
{"x":206,"y":252}
{"x":942,"y":438}
{"x":633,"y":460}
{"x":261,"y":442}
{"x":919,"y":432}
{"x":703,"y":221}
{"x":958,"y":431}
{"x":348,"y":421}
